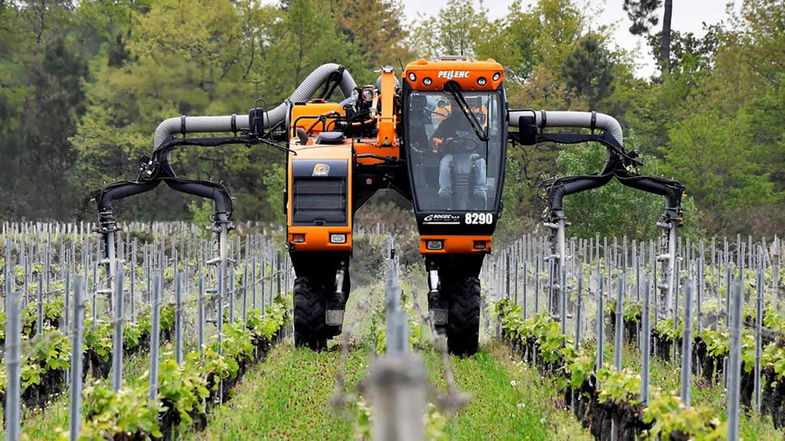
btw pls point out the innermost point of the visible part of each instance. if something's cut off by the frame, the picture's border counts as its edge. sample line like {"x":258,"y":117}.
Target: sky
{"x":688,"y":16}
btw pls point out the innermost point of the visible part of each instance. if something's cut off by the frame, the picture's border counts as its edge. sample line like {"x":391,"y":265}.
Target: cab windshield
{"x":455,"y":151}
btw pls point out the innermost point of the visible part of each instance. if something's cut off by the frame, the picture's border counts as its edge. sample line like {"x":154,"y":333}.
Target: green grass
{"x":286,"y":398}
{"x":509,"y":400}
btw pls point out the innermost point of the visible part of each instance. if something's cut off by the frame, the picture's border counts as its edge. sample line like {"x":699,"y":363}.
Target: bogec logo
{"x":442,"y":218}
{"x":321,"y":170}
{"x":453,"y":74}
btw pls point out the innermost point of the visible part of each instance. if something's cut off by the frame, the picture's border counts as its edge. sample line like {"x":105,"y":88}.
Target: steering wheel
{"x":465,"y":144}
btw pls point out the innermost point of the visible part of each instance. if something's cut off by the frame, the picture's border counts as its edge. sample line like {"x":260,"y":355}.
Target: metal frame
{"x":618,"y":164}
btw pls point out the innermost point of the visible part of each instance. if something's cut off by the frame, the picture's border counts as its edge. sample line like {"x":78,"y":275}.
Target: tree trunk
{"x":665,"y":45}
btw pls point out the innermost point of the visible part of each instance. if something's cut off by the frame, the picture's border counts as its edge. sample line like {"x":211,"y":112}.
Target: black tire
{"x":310,"y":328}
{"x":463,"y":322}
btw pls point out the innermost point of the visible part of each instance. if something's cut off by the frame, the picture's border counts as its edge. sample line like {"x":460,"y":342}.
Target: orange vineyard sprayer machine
{"x":438,"y":135}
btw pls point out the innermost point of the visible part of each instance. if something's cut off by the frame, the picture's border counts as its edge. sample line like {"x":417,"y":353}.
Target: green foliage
{"x":588,"y":70}
{"x":622,"y":207}
{"x":184,"y":387}
{"x":132,"y":334}
{"x":167,"y":317}
{"x":375,"y":27}
{"x":52,"y":312}
{"x":664,"y":412}
{"x":106,"y":73}
{"x":632,"y":311}
{"x":50,"y":351}
{"x":216,"y":364}
{"x":579,"y":369}
{"x":275,"y":177}
{"x":436,"y":425}
{"x":31,"y":375}
{"x":201,"y":212}
{"x":717,"y":342}
{"x":454,"y":31}
{"x":237,"y":342}
{"x":774,"y":319}
{"x":362,"y":414}
{"x":773,"y":357}
{"x":718,"y":170}
{"x":643,"y":15}
{"x":98,"y":338}
{"x":668,"y":415}
{"x":127,"y":411}
{"x":667,"y":331}
{"x":43,"y":67}
{"x":274,"y":319}
{"x":622,"y":386}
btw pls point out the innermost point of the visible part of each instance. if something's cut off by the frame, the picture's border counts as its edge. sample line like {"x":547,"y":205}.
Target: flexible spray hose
{"x":232,"y":123}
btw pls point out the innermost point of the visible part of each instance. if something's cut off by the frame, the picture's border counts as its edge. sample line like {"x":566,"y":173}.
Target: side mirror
{"x":527,"y":130}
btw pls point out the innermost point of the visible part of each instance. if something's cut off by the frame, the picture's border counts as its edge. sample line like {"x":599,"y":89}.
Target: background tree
{"x":376,"y":27}
{"x":614,"y":208}
{"x":83,"y":85}
{"x":642,"y":13}
{"x":41,"y":72}
{"x":588,"y":71}
{"x":455,"y":30}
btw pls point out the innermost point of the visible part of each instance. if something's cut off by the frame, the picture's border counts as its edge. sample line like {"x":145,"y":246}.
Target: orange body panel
{"x":387,"y":121}
{"x":317,"y":238}
{"x":456,"y":244}
{"x":313,"y":110}
{"x":368,"y":147}
{"x":465,"y":73}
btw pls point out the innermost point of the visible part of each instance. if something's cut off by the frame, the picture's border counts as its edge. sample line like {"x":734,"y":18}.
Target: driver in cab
{"x":456,"y":140}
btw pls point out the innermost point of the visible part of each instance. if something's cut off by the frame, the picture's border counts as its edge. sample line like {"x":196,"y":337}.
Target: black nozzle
{"x":527,"y":130}
{"x":256,"y":121}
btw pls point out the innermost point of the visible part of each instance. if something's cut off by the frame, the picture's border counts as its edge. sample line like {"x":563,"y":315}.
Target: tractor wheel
{"x":463,"y":322}
{"x":310,"y":328}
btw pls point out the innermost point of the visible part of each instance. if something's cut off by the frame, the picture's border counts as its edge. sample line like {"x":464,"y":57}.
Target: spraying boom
{"x":438,"y":135}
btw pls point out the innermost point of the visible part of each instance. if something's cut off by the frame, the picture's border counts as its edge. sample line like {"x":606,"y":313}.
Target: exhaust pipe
{"x":233,"y":123}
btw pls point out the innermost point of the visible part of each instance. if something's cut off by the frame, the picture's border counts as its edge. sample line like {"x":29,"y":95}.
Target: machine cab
{"x":454,"y":122}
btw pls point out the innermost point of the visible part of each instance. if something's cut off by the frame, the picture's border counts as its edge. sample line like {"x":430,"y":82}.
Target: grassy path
{"x":508,"y":401}
{"x":286,"y":398}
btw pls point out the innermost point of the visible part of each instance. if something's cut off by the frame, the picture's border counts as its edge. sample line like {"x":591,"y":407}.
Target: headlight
{"x":412,"y":77}
{"x":427,"y":81}
{"x":434,"y":244}
{"x":298,"y":238}
{"x":338,"y":238}
{"x":482,"y":81}
{"x":496,"y":76}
